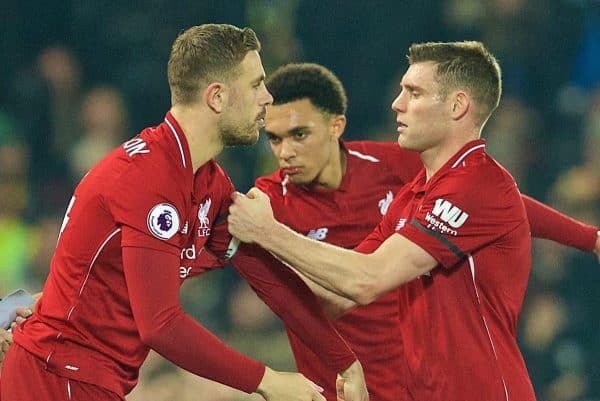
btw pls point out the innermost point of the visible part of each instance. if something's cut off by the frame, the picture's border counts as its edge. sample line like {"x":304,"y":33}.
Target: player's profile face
{"x":422,"y":114}
{"x":248,"y":98}
{"x":302,"y":140}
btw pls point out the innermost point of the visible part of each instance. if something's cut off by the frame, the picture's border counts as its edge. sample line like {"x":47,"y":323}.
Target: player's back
{"x":83,"y":326}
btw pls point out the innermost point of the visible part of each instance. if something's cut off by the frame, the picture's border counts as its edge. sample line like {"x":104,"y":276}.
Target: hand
{"x":283,"y":386}
{"x":597,"y":247}
{"x":351,"y":385}
{"x":250,"y":216}
{"x":5,"y":341}
{"x":22,"y":315}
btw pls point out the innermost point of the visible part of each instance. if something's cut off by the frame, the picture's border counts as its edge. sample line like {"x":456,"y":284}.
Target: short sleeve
{"x":462,"y":212}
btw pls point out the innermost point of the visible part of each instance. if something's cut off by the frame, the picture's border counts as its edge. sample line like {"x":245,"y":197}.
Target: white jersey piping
{"x":363,"y":156}
{"x":460,"y":159}
{"x":178,"y":141}
{"x":472,"y":267}
{"x":96,"y":257}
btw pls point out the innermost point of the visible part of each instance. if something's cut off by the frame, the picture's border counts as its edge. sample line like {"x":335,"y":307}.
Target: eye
{"x":273,"y":139}
{"x":414,"y":94}
{"x":300,"y":134}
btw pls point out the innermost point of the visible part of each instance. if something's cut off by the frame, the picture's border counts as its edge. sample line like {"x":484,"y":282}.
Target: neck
{"x":332,"y":175}
{"x":201,"y":133}
{"x":434,"y":158}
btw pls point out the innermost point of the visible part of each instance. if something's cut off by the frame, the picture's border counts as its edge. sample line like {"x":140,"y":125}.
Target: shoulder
{"x":271,"y":183}
{"x":145,"y":166}
{"x":220,"y":176}
{"x":480,"y":182}
{"x":387,"y":155}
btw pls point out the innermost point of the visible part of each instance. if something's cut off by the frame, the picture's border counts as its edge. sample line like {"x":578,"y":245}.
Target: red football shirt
{"x":137,"y":196}
{"x":458,"y":323}
{"x":145,"y":196}
{"x":374,"y":173}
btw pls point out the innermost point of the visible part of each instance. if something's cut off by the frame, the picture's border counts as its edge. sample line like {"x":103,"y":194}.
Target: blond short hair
{"x":207,"y":53}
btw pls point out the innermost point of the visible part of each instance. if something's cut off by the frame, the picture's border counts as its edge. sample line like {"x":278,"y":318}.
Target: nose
{"x":286,"y":149}
{"x":267,"y":98}
{"x":399,"y":104}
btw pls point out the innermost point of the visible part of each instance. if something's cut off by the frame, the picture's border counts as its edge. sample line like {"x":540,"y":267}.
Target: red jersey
{"x":143,"y":195}
{"x":375,"y":171}
{"x":458,"y":323}
{"x":84,"y":327}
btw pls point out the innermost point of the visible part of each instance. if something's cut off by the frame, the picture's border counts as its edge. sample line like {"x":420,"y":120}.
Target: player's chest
{"x":206,"y":202}
{"x":402,"y":210}
{"x":342,"y":218}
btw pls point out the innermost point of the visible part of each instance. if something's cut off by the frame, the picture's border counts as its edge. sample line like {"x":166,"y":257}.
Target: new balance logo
{"x":384,"y":203}
{"x":401,"y":223}
{"x":319,"y":233}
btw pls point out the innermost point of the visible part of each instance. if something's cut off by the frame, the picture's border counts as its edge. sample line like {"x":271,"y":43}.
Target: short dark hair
{"x":467,"y":65}
{"x":308,"y":81}
{"x":206,"y":53}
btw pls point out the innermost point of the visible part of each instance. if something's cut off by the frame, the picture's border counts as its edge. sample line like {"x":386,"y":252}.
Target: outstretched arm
{"x":357,"y":276}
{"x":550,"y":224}
{"x":285,"y":294}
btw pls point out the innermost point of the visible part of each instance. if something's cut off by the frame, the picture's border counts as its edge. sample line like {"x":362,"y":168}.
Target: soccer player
{"x":336,"y":191}
{"x":457,"y":237}
{"x":112,"y":292}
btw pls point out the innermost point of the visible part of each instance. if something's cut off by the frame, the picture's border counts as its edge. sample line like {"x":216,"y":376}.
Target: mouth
{"x":290,"y":171}
{"x":260,"y":120}
{"x":401,"y":126}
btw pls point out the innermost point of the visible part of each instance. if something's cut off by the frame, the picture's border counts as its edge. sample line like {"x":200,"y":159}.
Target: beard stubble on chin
{"x":238,"y":136}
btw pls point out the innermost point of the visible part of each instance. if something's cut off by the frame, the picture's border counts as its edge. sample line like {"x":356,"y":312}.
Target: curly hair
{"x":308,"y":81}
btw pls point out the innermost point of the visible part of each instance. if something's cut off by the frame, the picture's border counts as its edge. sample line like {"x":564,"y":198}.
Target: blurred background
{"x":77,"y":78}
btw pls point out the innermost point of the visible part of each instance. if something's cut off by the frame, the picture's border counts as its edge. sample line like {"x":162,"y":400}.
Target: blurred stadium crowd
{"x":80,"y":77}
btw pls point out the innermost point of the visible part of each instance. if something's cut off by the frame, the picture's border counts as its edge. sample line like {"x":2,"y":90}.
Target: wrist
{"x":263,"y":386}
{"x":354,"y":368}
{"x":272,"y":232}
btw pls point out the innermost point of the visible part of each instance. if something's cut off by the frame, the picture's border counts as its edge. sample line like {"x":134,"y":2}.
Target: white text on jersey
{"x":135,"y":146}
{"x":449,"y":213}
{"x":318,"y":233}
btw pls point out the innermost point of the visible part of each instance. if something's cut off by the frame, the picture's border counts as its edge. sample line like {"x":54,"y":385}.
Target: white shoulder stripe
{"x":363,"y":156}
{"x":178,"y":141}
{"x":460,"y":159}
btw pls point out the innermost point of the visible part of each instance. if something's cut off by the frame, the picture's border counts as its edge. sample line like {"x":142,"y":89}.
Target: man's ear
{"x":461,"y":102}
{"x":215,"y":96}
{"x":338,"y":125}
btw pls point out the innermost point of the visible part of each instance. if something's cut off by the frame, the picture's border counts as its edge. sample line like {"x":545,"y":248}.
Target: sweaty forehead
{"x":285,"y":117}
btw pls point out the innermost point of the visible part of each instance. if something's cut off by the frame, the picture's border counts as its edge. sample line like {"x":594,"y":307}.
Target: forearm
{"x":333,"y":305}
{"x":550,"y":224}
{"x":285,"y":293}
{"x":341,"y":271}
{"x":153,"y":286}
{"x":192,"y":347}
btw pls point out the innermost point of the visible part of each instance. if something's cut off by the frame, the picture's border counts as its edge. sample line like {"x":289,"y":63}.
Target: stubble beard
{"x":234,"y":135}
